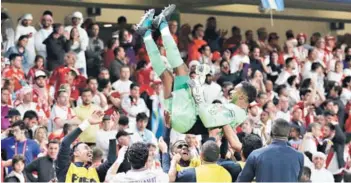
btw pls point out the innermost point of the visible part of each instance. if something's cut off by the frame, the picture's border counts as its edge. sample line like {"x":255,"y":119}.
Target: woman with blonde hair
{"x":41,"y":137}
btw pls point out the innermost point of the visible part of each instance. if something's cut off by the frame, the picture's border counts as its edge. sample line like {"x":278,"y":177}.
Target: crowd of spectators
{"x":71,"y":104}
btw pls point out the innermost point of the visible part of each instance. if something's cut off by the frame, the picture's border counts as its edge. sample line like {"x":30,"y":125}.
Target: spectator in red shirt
{"x":58,"y":76}
{"x":109,"y":55}
{"x":15,"y":71}
{"x":197,"y":42}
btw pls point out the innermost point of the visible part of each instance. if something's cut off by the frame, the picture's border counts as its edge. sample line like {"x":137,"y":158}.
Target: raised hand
{"x":162,"y":145}
{"x":96,"y":117}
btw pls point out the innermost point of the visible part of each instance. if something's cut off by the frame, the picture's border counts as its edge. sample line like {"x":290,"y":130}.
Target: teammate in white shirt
{"x":237,"y":61}
{"x":137,"y":156}
{"x":122,"y":86}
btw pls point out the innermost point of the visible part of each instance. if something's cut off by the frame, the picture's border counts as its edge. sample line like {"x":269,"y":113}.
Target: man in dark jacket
{"x":117,"y":64}
{"x":56,"y":48}
{"x":335,"y":154}
{"x":278,"y":162}
{"x":73,"y":165}
{"x":334,"y":94}
{"x":44,"y":166}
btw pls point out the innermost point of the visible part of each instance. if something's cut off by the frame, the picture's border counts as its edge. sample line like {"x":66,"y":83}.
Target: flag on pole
{"x":157,"y":118}
{"x":277,"y":5}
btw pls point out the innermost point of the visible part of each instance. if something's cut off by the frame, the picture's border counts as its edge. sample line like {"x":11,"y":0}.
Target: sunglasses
{"x":180,"y":146}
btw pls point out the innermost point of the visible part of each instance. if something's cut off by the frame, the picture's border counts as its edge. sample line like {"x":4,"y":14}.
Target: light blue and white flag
{"x":277,"y":5}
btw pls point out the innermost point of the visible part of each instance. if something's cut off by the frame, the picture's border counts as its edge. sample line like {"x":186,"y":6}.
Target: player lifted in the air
{"x":183,"y":96}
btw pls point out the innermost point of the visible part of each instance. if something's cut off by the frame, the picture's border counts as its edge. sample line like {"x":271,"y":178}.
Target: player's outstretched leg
{"x":144,"y":29}
{"x":173,"y":55}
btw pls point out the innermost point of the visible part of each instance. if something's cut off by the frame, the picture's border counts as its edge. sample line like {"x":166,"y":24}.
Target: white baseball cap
{"x":39,"y":73}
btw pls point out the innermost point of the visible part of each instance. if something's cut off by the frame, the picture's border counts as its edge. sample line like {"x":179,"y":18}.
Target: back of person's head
{"x":250,"y":143}
{"x":210,"y":152}
{"x":141,"y":116}
{"x":122,"y":20}
{"x":289,"y":34}
{"x":97,"y":154}
{"x":280,"y":129}
{"x":250,"y":91}
{"x":137,"y":155}
{"x":123,"y":120}
{"x":30,"y":115}
{"x":66,"y":128}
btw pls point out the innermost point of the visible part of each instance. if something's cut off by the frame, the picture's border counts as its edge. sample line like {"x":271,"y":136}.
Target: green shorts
{"x":181,"y":106}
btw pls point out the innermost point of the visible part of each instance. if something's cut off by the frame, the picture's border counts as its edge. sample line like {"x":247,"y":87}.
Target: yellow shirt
{"x":212,"y":173}
{"x":81,"y":174}
{"x":195,"y":162}
{"x":83,"y":113}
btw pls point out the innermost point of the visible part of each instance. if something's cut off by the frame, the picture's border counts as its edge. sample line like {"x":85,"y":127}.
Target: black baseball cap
{"x":123,"y":133}
{"x":13,"y":112}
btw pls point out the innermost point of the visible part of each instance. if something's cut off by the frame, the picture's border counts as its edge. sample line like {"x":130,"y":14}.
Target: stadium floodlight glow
{"x":107,"y":25}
